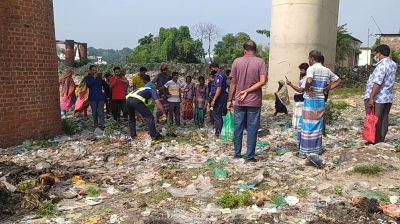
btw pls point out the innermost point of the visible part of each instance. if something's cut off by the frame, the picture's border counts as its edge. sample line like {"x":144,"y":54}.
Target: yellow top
{"x":137,"y":81}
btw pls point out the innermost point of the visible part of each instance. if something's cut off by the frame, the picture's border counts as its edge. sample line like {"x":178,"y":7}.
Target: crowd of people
{"x":238,"y":90}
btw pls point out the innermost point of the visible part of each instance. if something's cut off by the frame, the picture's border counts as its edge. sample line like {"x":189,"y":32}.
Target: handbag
{"x":369,"y":132}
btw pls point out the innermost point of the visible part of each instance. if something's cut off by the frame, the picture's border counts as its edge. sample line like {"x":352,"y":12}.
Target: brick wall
{"x":29,"y":102}
{"x":392,"y":41}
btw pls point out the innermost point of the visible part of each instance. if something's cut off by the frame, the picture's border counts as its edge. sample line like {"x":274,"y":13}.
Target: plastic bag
{"x":369,"y":131}
{"x":228,"y":129}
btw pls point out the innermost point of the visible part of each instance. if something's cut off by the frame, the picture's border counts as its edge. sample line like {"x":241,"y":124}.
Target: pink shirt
{"x":247,"y":70}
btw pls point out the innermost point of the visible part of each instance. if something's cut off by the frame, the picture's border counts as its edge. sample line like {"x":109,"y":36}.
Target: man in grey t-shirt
{"x":249,"y":75}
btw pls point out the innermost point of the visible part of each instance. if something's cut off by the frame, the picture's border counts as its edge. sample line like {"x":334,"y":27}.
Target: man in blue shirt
{"x":98,"y":89}
{"x":138,"y":101}
{"x":379,"y":91}
{"x":219,"y":96}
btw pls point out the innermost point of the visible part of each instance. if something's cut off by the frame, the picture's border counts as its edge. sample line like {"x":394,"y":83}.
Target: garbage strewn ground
{"x":193,"y":178}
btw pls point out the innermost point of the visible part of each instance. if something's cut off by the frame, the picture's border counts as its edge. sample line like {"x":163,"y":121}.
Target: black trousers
{"x":116,"y":107}
{"x":381,"y":110}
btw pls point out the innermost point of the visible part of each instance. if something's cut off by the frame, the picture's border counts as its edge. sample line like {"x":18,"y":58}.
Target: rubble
{"x":92,"y":178}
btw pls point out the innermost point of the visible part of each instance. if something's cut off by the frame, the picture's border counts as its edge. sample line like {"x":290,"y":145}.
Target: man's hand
{"x":310,"y":92}
{"x":288,"y":82}
{"x":242,"y":95}
{"x":327,"y":89}
{"x":229,"y":105}
{"x":371,"y":102}
{"x":163,"y":118}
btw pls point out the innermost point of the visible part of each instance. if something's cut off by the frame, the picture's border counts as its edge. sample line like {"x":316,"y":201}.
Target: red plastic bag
{"x":369,"y":132}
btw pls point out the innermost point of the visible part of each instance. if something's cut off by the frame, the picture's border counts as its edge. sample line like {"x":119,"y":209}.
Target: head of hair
{"x":228,"y":72}
{"x":201,"y":78}
{"x":116,"y":68}
{"x":383,"y":49}
{"x":214,"y":65}
{"x":316,"y":55}
{"x":143,"y":69}
{"x":188,"y":77}
{"x":92,"y":66}
{"x":107,"y":75}
{"x":146,"y":78}
{"x":250,"y":46}
{"x":175,"y":73}
{"x":304,"y":66}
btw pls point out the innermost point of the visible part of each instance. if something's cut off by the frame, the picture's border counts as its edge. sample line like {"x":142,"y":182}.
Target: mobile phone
{"x":286,"y":77}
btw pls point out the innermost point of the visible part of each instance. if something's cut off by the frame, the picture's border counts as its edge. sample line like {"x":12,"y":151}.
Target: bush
{"x":110,"y":126}
{"x":369,"y":169}
{"x":48,"y":209}
{"x":67,"y":127}
{"x":230,"y":200}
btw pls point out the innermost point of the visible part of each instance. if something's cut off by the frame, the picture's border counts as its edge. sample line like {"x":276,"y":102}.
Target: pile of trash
{"x":191,"y":177}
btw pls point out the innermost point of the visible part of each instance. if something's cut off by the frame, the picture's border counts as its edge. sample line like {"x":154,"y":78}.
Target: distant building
{"x":100,"y":61}
{"x":364,"y":57}
{"x":392,"y":40}
{"x":353,"y":58}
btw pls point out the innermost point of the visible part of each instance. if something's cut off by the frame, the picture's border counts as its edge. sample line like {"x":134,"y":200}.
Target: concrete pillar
{"x":69,"y":53}
{"x":29,"y":90}
{"x":83,"y":51}
{"x":297,"y":27}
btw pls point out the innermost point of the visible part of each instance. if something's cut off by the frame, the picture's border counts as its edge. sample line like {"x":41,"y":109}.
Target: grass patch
{"x":369,"y":169}
{"x":268,"y":96}
{"x":230,"y":200}
{"x":380,"y":196}
{"x":92,"y":191}
{"x":347,"y":92}
{"x":301,"y":191}
{"x":26,"y":185}
{"x":48,"y":208}
{"x":110,"y":126}
{"x":338,"y":190}
{"x":340,"y":105}
{"x":67,"y":127}
{"x":42,"y":143}
{"x":155,"y":196}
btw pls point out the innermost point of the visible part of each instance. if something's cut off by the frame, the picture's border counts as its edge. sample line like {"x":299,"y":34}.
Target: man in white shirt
{"x":173,"y":90}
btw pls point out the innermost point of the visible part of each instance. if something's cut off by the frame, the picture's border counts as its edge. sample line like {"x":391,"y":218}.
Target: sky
{"x":120,"y":23}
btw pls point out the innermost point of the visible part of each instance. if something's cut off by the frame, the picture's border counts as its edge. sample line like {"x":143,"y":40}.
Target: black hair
{"x":201,"y":78}
{"x":228,"y":72}
{"x":304,"y":66}
{"x":107,"y":75}
{"x":322,"y":60}
{"x":250,"y":46}
{"x":146,"y":78}
{"x":116,"y":68}
{"x":175,"y":73}
{"x":92,"y":66}
{"x":143,"y":69}
{"x":383,"y":49}
{"x":214,"y":65}
{"x":188,"y":77}
{"x":316,"y":55}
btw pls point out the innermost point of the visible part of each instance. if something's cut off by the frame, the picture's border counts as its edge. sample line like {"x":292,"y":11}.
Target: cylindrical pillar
{"x":29,"y":89}
{"x":297,"y":27}
{"x":83,"y":51}
{"x":69,"y":53}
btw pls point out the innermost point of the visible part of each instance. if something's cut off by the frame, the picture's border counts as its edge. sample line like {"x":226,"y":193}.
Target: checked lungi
{"x":311,"y":126}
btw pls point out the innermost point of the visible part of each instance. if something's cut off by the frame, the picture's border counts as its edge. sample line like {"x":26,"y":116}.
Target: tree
{"x":206,"y":33}
{"x":230,"y":47}
{"x":171,"y":45}
{"x":265,"y":32}
{"x":110,"y":55}
{"x":344,"y":44}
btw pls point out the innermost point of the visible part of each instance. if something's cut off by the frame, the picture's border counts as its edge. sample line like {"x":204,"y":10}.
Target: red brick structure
{"x":29,"y":98}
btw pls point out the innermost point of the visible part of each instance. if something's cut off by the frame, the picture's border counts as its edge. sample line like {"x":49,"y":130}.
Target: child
{"x":200,"y":101}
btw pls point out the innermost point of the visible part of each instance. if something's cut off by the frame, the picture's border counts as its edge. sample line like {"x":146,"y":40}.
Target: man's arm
{"x":232,"y":91}
{"x":255,"y":87}
{"x":160,"y":106}
{"x":296,"y":88}
{"x":217,"y":94}
{"x":375,"y":90}
{"x":113,"y":82}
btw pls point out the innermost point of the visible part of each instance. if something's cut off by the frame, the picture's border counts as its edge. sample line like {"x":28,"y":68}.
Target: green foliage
{"x":330,"y":113}
{"x":338,"y":190}
{"x":171,"y":45}
{"x":48,"y":209}
{"x":67,"y":127}
{"x":345,"y":93}
{"x":380,"y":196}
{"x":369,"y":169}
{"x":92,"y":190}
{"x":340,"y":105}
{"x":344,"y":44}
{"x":397,"y":146}
{"x":81,"y":63}
{"x":395,"y":56}
{"x":230,"y":47}
{"x":111,"y":56}
{"x":42,"y":143}
{"x":265,"y":32}
{"x":230,"y":200}
{"x":110,"y":126}
{"x":26,"y":185}
{"x":301,"y":191}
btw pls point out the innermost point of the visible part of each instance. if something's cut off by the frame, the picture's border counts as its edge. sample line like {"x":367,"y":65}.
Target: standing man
{"x":312,"y":118}
{"x":173,"y":91}
{"x":118,"y":83}
{"x":249,"y":75}
{"x":97,"y":87}
{"x":137,"y":79}
{"x":210,"y":96}
{"x":137,"y":101}
{"x":218,"y":101}
{"x":298,"y":95}
{"x":379,"y":91}
{"x":160,"y":80}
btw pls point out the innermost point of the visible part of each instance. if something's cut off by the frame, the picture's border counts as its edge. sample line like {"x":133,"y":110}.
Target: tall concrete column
{"x":69,"y":53}
{"x":297,"y":27}
{"x":83,"y":51}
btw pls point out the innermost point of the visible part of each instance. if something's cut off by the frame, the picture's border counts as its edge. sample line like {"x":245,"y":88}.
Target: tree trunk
{"x":209,"y":48}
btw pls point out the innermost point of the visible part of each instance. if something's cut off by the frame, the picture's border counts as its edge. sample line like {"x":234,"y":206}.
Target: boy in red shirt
{"x":118,"y":85}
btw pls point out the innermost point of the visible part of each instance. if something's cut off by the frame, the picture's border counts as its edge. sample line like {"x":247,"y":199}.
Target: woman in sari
{"x":200,"y":102}
{"x":67,"y":91}
{"x":281,"y":98}
{"x":188,"y":94}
